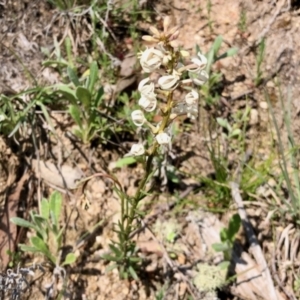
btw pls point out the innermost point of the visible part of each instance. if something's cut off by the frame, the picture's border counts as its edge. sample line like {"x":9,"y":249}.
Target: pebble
{"x":253,"y":116}
{"x":263,"y":105}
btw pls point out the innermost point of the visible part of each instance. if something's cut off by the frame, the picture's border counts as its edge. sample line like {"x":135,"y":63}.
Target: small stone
{"x":253,"y":116}
{"x":263,"y":105}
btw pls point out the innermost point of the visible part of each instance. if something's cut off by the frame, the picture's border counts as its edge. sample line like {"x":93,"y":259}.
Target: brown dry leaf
{"x":127,"y":65}
{"x":65,"y":177}
{"x":8,"y":230}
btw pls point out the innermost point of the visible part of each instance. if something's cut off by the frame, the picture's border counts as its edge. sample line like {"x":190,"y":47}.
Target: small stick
{"x":255,"y":248}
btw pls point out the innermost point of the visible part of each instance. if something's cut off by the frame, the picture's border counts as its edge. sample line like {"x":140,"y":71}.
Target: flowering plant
{"x":172,"y":69}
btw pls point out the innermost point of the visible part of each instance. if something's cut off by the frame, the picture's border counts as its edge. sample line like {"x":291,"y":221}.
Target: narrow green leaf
{"x":70,"y":258}
{"x":133,"y":273}
{"x":93,"y":76}
{"x":26,"y":248}
{"x":45,"y":209}
{"x":122,"y":162}
{"x":111,"y":258}
{"x":116,"y":250}
{"x":99,"y":95}
{"x":75,"y":114}
{"x":72,"y":76}
{"x":228,"y":53}
{"x":135,"y":259}
{"x":67,"y":92}
{"x":84,"y":96}
{"x":22,"y":223}
{"x":234,"y":226}
{"x":217,"y":44}
{"x":210,"y":60}
{"x":42,"y":247}
{"x":55,"y":204}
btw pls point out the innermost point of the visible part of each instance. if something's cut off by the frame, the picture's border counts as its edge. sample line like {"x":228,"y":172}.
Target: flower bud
{"x":138,"y":118}
{"x":168,"y":82}
{"x":148,"y":104}
{"x":191,"y":97}
{"x":199,"y":78}
{"x":151,"y":59}
{"x":136,"y":150}
{"x":200,"y":61}
{"x":148,"y":97}
{"x":163,"y":138}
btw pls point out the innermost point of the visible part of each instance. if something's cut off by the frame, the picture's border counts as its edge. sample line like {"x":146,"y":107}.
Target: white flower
{"x":147,"y":104}
{"x":136,"y":150}
{"x":200,"y":62}
{"x":138,"y":117}
{"x":148,"y":97}
{"x":168,"y":82}
{"x":191,"y":98}
{"x":163,"y":138}
{"x":151,"y":59}
{"x":166,"y":54}
{"x":199,"y":78}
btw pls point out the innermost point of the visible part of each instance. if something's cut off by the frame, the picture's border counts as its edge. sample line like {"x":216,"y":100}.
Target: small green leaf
{"x":84,"y":96}
{"x":235,"y":132}
{"x":133,"y":273}
{"x":93,"y":76}
{"x":26,"y":248}
{"x":67,"y":92}
{"x":224,"y":235}
{"x":55,"y":202}
{"x":135,"y":259}
{"x":122,"y":162}
{"x":228,"y":53}
{"x":40,"y":245}
{"x":210,"y":60}
{"x":217,"y":44}
{"x":72,"y":76}
{"x":116,"y":250}
{"x":75,"y":114}
{"x":224,"y":123}
{"x":220,"y":247}
{"x":224,"y":265}
{"x":111,"y":257}
{"x":70,"y":258}
{"x":22,"y":223}
{"x":98,"y":98}
{"x":45,"y":209}
{"x":234,"y":226}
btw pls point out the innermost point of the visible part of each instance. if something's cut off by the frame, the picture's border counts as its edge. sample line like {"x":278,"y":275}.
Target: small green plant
{"x":261,"y":49}
{"x":85,"y":101}
{"x":209,"y":89}
{"x":288,"y":158}
{"x":208,"y":8}
{"x":228,"y":236}
{"x":243,"y":21}
{"x":47,"y":238}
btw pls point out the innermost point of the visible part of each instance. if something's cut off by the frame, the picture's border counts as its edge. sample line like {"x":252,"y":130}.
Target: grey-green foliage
{"x":84,"y":99}
{"x":227,"y":236}
{"x":47,"y":238}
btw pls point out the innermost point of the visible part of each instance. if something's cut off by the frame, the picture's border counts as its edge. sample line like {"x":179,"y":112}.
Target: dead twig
{"x":255,"y":248}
